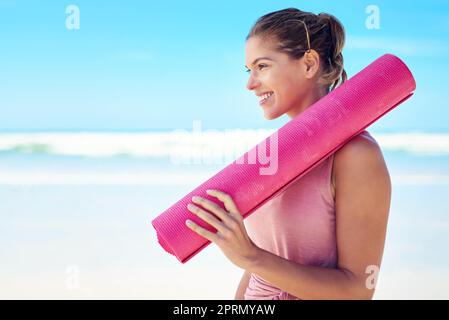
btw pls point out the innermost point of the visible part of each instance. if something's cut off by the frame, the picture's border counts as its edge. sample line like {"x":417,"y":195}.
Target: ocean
{"x":76,"y":209}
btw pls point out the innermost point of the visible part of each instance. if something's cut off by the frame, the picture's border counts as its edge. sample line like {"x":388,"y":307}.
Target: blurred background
{"x":111,"y":111}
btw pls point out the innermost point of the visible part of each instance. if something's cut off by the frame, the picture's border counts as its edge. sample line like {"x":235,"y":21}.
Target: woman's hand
{"x":231,"y":235}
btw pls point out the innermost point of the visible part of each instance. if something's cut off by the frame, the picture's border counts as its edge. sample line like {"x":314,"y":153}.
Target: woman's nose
{"x":252,"y":83}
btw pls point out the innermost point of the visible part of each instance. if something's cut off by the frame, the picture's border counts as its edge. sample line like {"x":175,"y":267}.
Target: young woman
{"x":323,"y":237}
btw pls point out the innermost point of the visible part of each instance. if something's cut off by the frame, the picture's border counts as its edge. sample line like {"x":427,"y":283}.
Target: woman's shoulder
{"x":358,"y":156}
{"x":363,"y":143}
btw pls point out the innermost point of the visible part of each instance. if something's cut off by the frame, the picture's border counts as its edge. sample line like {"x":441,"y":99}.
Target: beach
{"x":77,"y":224}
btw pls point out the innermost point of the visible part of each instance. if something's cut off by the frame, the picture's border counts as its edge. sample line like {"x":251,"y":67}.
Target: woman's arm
{"x":363,"y":192}
{"x":239,"y":295}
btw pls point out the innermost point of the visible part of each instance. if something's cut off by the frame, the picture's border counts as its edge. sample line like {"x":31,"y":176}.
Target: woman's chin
{"x":271,"y":111}
{"x":270,"y":116}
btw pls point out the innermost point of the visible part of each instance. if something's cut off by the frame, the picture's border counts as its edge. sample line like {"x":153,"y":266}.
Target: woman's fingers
{"x":201,"y":231}
{"x":212,"y":207}
{"x":227,"y":200}
{"x":225,"y":222}
{"x":206,"y":216}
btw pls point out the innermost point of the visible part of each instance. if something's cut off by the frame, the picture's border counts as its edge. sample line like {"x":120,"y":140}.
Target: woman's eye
{"x":261,"y":66}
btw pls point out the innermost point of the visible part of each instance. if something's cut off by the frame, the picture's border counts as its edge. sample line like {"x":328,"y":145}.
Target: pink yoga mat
{"x":300,"y":145}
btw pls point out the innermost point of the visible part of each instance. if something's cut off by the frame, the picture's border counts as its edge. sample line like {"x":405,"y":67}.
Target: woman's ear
{"x":311,"y":63}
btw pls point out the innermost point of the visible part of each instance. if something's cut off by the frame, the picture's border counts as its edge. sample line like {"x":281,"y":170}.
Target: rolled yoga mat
{"x":300,"y":145}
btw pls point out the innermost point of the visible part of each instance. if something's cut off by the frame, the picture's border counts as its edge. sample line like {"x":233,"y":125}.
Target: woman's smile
{"x":265,"y":98}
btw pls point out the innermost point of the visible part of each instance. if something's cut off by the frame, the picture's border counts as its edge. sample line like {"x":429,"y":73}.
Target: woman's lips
{"x":265,"y":100}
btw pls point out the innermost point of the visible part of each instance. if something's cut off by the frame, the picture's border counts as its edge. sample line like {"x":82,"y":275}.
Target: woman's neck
{"x":307,"y":102}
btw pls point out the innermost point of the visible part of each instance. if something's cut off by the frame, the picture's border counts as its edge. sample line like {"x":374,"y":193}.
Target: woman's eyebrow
{"x":260,"y":58}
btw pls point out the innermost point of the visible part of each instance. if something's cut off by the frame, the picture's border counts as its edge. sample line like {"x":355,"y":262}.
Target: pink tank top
{"x":299,"y":225}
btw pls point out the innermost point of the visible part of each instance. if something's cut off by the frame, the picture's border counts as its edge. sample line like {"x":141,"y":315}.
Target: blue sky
{"x":162,"y":64}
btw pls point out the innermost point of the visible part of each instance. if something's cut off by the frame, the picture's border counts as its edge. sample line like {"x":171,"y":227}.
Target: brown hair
{"x":297,"y":31}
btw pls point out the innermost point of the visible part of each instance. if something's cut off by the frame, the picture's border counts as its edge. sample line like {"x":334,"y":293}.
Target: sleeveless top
{"x":299,"y":225}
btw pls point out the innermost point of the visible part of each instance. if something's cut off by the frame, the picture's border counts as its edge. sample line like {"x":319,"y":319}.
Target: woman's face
{"x":275,"y":73}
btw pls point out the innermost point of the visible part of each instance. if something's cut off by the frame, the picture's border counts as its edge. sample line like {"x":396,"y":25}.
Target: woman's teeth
{"x":265,"y":97}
